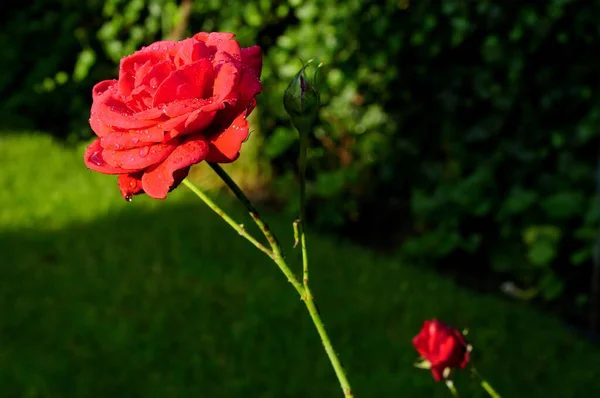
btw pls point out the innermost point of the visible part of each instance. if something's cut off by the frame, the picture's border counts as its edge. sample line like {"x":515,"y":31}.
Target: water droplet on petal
{"x":135,"y":140}
{"x":144,"y":151}
{"x":128,"y":197}
{"x":97,"y":159}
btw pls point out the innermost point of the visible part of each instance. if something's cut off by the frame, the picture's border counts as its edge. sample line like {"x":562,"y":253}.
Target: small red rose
{"x":442,"y":347}
{"x":175,"y":104}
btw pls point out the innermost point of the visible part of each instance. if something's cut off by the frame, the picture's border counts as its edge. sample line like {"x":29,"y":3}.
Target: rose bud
{"x":301,"y":100}
{"x":441,"y":348}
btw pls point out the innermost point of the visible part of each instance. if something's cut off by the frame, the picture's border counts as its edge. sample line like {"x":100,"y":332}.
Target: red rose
{"x":442,"y":347}
{"x":175,"y":104}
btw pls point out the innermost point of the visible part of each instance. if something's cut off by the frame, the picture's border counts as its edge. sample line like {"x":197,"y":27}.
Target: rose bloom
{"x":442,"y":346}
{"x":175,"y":104}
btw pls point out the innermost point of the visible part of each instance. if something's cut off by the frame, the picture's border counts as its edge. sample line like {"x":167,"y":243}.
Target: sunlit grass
{"x":102,"y":298}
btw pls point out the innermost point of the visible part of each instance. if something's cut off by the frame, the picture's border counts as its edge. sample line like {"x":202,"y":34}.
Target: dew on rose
{"x":144,"y":151}
{"x":96,"y":158}
{"x":121,"y":111}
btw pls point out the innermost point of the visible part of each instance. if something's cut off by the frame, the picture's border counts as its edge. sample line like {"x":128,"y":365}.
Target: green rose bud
{"x":301,"y":100}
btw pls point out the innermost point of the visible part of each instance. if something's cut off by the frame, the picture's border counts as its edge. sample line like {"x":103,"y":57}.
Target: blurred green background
{"x":457,"y":150}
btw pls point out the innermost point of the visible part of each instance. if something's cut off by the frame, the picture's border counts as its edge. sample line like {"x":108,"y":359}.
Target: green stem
{"x":333,"y":358}
{"x":276,"y":249}
{"x":308,"y":297}
{"x":302,"y":177}
{"x":238,"y":227}
{"x":452,"y":388}
{"x":302,"y":289}
{"x":486,"y":386}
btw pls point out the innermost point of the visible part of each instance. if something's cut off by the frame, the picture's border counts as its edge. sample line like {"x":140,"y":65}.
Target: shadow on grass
{"x":171,"y":303}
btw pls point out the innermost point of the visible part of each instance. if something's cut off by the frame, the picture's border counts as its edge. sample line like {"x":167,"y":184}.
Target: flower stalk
{"x":484,"y":384}
{"x":262,"y":225}
{"x":301,"y":100}
{"x":276,"y":255}
{"x":239,"y":228}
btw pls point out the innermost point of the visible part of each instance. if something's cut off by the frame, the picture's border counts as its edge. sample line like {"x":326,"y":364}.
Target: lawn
{"x":104,"y":298}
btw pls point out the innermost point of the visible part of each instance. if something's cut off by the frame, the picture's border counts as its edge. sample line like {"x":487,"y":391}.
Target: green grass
{"x":103,"y":298}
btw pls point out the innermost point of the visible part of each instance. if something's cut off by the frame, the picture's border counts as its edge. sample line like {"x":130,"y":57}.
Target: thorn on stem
{"x":296,"y":233}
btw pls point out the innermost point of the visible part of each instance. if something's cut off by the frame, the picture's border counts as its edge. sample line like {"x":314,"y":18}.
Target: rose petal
{"x":165,"y":49}
{"x":130,"y":184}
{"x":248,"y":87}
{"x":150,"y":114}
{"x":252,"y":59}
{"x":437,"y":373}
{"x":190,"y":81}
{"x":100,"y":93}
{"x":176,"y":123}
{"x":197,"y":121}
{"x":142,"y":157}
{"x":133,"y":139}
{"x":227,"y":78}
{"x":178,"y":108}
{"x":142,"y":72}
{"x":160,"y":132}
{"x":419,"y":341}
{"x":225,"y":146}
{"x":190,"y":51}
{"x":128,"y":69}
{"x":100,"y":129}
{"x":228,"y":51}
{"x":112,"y":113}
{"x":94,"y":160}
{"x":154,"y":76}
{"x":102,"y":87}
{"x":213,"y":38}
{"x":188,"y":122}
{"x":179,"y":176}
{"x":140,"y":99}
{"x":159,"y":179}
{"x":116,"y":114}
